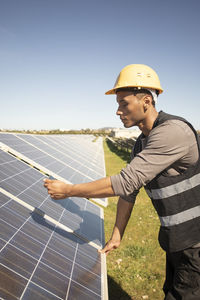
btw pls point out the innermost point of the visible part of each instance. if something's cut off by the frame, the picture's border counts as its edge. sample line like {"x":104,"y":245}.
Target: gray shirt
{"x":171,"y":146}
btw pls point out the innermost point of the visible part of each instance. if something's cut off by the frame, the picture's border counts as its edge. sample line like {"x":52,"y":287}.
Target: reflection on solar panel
{"x":61,"y":155}
{"x":48,"y":249}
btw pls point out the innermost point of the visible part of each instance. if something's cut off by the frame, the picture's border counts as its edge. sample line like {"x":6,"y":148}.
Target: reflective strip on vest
{"x":174,"y":189}
{"x":181,"y":217}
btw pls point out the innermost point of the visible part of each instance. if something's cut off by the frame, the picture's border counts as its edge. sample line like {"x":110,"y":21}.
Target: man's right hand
{"x":124,"y":209}
{"x":110,"y":245}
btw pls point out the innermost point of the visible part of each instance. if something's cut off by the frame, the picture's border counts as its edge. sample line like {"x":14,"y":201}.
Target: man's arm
{"x":166,"y":144}
{"x":124,"y":209}
{"x":96,"y":189}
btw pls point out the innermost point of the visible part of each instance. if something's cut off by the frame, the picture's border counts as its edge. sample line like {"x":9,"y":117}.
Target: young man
{"x":165,"y":160}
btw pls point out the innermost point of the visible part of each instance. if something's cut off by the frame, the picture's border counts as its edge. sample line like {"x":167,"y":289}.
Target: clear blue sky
{"x":57,"y":59}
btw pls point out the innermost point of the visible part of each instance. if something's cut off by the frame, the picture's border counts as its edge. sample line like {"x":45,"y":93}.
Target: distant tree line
{"x":95,"y":132}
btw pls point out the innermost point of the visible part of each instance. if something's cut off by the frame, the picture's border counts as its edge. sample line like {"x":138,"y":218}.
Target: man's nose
{"x":118,"y":112}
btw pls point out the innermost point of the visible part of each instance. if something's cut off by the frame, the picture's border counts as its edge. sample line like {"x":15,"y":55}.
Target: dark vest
{"x":176,"y":200}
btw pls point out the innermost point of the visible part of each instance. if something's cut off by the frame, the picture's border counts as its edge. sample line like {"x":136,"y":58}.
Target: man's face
{"x":130,"y":109}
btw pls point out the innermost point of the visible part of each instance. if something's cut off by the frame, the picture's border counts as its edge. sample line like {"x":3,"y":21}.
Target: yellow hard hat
{"x":138,"y":76}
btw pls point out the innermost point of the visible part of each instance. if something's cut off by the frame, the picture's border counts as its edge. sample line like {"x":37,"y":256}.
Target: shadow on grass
{"x":115,"y":291}
{"x":122,"y":154}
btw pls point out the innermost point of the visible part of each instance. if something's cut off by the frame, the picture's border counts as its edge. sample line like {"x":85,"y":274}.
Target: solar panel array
{"x":48,"y":249}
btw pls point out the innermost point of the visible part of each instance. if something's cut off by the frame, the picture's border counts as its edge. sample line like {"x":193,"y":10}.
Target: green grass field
{"x":136,"y":269}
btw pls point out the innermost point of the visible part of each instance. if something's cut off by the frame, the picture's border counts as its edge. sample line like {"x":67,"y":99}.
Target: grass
{"x":136,"y":269}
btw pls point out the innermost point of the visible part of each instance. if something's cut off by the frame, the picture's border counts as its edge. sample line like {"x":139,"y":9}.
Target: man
{"x":165,"y":160}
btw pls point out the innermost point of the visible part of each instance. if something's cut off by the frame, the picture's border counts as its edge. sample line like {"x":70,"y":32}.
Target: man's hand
{"x":124,"y":209}
{"x":57,"y":189}
{"x":110,"y":245}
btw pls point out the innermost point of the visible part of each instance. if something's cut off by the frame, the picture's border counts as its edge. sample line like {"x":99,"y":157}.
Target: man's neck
{"x":147,"y":124}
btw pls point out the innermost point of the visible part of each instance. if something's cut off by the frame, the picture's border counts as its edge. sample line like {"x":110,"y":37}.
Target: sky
{"x":59,"y":57}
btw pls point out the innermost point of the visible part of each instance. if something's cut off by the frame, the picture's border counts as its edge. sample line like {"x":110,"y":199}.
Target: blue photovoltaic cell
{"x":40,"y":261}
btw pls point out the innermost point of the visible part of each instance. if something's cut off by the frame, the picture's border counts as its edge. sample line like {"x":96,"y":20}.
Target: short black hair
{"x":136,"y":91}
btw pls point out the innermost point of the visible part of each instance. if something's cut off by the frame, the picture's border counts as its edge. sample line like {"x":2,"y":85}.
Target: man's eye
{"x":123,"y":105}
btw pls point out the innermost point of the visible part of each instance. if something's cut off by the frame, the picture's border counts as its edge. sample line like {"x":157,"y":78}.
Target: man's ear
{"x":147,"y":100}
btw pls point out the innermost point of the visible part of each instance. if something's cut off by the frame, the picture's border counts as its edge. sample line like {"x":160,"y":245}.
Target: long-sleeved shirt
{"x":170,"y":147}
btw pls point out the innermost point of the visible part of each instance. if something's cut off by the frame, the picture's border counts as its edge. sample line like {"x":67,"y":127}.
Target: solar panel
{"x":26,"y":183}
{"x":48,"y":249}
{"x":52,"y":159}
{"x":41,"y":261}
